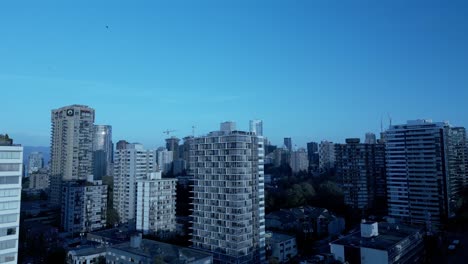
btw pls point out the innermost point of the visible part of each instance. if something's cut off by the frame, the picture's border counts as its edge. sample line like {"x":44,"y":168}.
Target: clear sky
{"x":311,"y":70}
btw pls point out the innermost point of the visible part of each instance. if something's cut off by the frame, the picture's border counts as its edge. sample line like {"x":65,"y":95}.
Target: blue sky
{"x":311,"y":70}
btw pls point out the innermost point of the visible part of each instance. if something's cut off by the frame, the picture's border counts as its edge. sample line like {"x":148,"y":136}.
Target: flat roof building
{"x":380,"y":243}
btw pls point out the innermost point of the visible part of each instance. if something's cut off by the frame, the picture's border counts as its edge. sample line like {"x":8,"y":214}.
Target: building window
{"x":9,"y":167}
{"x":10,"y":155}
{"x":9,"y":179}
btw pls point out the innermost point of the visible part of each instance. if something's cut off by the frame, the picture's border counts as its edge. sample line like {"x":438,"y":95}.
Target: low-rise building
{"x":380,"y":243}
{"x":156,"y":204}
{"x":299,"y":161}
{"x":119,"y":246}
{"x":307,"y":219}
{"x":140,"y":250}
{"x":280,"y":246}
{"x":39,"y":180}
{"x":86,"y":255}
{"x":84,"y":206}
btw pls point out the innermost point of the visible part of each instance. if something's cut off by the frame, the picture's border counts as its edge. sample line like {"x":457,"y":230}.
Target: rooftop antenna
{"x":389,"y":119}
{"x":193,"y":131}
{"x":381,"y":124}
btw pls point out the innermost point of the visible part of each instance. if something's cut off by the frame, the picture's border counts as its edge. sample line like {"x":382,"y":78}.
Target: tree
{"x":112,"y":217}
{"x":308,"y":191}
{"x":330,"y":188}
{"x":273,"y":260}
{"x":101,"y":260}
{"x":295,"y":196}
{"x":159,"y":260}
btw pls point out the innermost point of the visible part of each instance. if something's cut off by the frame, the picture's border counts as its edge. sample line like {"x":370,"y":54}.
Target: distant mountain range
{"x":45,"y":151}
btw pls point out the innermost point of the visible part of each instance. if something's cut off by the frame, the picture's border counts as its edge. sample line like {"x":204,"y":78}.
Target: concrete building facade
{"x":39,"y":180}
{"x":11,"y":170}
{"x":71,"y":147}
{"x":425,"y":169}
{"x":35,"y":162}
{"x":362,"y":170}
{"x":84,"y":206}
{"x":228,"y":202}
{"x":156,"y":204}
{"x":299,"y":161}
{"x":164,"y":160}
{"x":282,"y":247}
{"x":326,"y":155}
{"x":130,"y":164}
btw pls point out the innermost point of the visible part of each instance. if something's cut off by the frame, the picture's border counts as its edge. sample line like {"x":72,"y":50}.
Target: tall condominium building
{"x":228,"y":203}
{"x":228,"y":126}
{"x":281,"y":156}
{"x":35,"y":162}
{"x":164,"y":159}
{"x":288,"y":144}
{"x":422,"y":175}
{"x":362,"y":169}
{"x":299,"y":160}
{"x":121,"y":144}
{"x":130,"y":164}
{"x":186,"y":151}
{"x":172,"y":144}
{"x":103,"y":151}
{"x":256,"y":126}
{"x":11,"y":161}
{"x":71,"y":147}
{"x":457,"y":170}
{"x":370,"y":138}
{"x":326,"y":155}
{"x":156,"y":204}
{"x":84,"y":206}
{"x":39,"y":180}
{"x":313,"y":156}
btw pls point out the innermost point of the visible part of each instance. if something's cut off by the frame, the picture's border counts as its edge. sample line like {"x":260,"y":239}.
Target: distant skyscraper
{"x":313,"y":155}
{"x":11,"y":160}
{"x":35,"y":162}
{"x":156,"y":204}
{"x":130,"y":164}
{"x":370,"y":138}
{"x":422,"y":175}
{"x":326,"y":155}
{"x":84,"y":206}
{"x":288,"y":143}
{"x":164,"y":160}
{"x":228,"y":126}
{"x":172,"y":144}
{"x":362,"y":168}
{"x":103,"y":151}
{"x":229,"y":207}
{"x":299,"y":160}
{"x":186,"y":151}
{"x":256,"y":126}
{"x":39,"y":180}
{"x":71,"y":147}
{"x":121,"y":144}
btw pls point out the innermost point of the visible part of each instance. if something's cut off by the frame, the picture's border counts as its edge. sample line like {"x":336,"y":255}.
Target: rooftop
{"x":87,"y":251}
{"x":112,"y":236}
{"x":389,"y":236}
{"x":278,"y":237}
{"x":171,"y":253}
{"x":5,"y":140}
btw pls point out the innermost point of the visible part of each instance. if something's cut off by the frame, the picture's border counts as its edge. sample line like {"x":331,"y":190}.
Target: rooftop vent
{"x":369,"y":229}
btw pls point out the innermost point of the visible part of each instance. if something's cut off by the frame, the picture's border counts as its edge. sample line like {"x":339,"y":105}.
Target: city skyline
{"x":311,"y":71}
